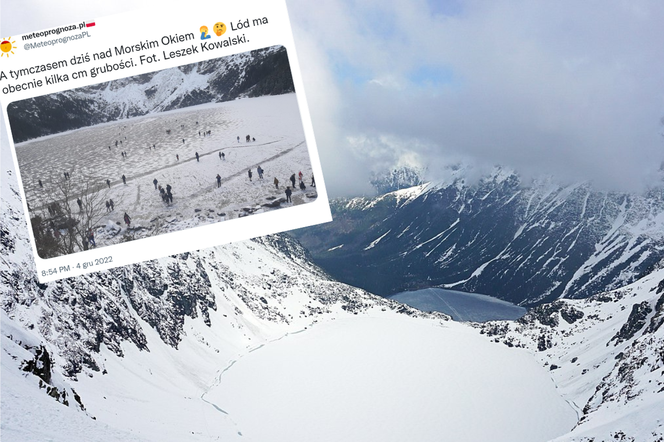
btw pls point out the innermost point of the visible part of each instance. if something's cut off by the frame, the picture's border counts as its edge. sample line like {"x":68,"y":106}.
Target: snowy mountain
{"x":250,"y":74}
{"x":397,"y":179}
{"x":251,"y":341}
{"x":524,"y":243}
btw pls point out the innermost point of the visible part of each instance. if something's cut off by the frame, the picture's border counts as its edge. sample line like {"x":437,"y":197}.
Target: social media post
{"x":163,"y":161}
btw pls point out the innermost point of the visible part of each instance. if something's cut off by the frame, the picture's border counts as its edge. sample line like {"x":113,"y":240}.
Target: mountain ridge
{"x":526,"y":244}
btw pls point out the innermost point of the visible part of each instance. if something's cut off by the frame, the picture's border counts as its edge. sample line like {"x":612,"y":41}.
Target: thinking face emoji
{"x":219,"y":28}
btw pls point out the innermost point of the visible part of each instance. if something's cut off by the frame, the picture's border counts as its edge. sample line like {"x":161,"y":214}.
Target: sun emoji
{"x":6,"y":47}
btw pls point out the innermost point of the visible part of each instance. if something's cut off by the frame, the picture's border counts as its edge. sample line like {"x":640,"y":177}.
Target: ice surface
{"x":460,"y":305}
{"x":391,"y":379}
{"x":280,"y":149}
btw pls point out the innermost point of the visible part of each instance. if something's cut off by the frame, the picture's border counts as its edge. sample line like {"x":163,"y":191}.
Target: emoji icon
{"x":219,"y":29}
{"x":204,"y":33}
{"x":6,"y":47}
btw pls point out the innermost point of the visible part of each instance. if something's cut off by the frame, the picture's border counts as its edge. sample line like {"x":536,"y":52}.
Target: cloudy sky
{"x":574,"y":89}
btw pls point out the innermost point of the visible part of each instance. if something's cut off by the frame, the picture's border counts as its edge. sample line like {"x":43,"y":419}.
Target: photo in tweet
{"x":162,"y":161}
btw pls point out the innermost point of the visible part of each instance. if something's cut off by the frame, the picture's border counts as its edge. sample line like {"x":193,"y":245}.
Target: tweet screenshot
{"x":148,"y":134}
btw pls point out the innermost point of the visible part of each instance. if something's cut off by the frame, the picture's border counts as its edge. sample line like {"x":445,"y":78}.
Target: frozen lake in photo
{"x":90,"y":155}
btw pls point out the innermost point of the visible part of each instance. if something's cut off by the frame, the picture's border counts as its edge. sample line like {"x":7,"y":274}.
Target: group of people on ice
{"x":289,"y":189}
{"x":302,"y":186}
{"x":166,"y":194}
{"x":259,"y":170}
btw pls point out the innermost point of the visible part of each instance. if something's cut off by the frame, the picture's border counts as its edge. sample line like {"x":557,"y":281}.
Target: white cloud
{"x":569,"y":88}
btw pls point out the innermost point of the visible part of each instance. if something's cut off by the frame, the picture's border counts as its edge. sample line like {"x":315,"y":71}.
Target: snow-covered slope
{"x":605,"y":354}
{"x":524,"y":243}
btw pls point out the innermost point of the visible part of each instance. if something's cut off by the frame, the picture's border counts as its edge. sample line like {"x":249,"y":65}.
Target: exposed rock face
{"x":635,"y":322}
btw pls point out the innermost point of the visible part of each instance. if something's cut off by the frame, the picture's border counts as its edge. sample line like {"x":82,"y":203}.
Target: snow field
{"x":391,"y":379}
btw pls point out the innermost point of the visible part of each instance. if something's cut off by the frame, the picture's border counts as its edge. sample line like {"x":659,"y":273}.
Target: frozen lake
{"x":91,"y":157}
{"x":461,"y":306}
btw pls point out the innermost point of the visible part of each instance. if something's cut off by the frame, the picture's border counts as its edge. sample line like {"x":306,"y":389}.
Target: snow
{"x":390,"y":379}
{"x":617,"y":387}
{"x":377,"y":240}
{"x":280,"y":149}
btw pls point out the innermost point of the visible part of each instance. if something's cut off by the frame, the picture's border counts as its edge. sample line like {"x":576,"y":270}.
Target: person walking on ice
{"x":108,"y":207}
{"x":169,"y":194}
{"x":124,"y":180}
{"x":288,"y":194}
{"x":127,"y":220}
{"x":218,"y":181}
{"x":249,"y":173}
{"x":219,"y":155}
{"x":313,"y":182}
{"x":112,"y":205}
{"x":154,"y":181}
{"x":108,"y":183}
{"x":292,"y":178}
{"x":40,"y":184}
{"x":197,"y":157}
{"x":223,"y":156}
{"x":91,"y":238}
{"x":300,"y":175}
{"x":80,"y":204}
{"x":260,"y":171}
{"x":276,"y":183}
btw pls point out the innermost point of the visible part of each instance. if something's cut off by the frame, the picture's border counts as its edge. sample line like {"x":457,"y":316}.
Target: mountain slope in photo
{"x":249,"y":74}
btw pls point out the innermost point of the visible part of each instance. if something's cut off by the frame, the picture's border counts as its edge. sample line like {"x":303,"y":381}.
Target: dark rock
{"x":658,"y":318}
{"x":273,"y":204}
{"x":547,"y":314}
{"x":40,"y":366}
{"x":543,"y":342}
{"x":635,"y":322}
